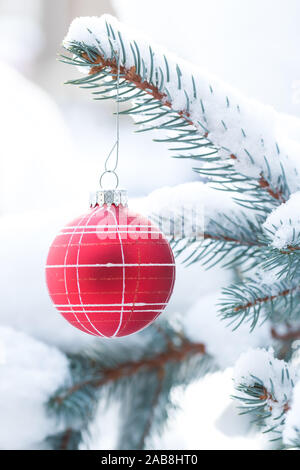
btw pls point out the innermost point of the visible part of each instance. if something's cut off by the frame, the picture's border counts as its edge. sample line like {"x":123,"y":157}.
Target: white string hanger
{"x":117,"y":142}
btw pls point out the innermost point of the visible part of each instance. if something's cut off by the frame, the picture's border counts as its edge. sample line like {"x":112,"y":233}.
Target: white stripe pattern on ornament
{"x":116,"y":311}
{"x":107,"y":265}
{"x":132,"y":304}
{"x":65,"y":280}
{"x":107,"y":226}
{"x":96,"y":212}
{"x":129,"y":232}
{"x":123,"y":274}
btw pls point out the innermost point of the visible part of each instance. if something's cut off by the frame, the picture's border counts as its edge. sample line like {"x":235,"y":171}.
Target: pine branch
{"x":248,"y":300}
{"x":282,"y":233}
{"x":148,"y":412}
{"x":285,"y":263}
{"x":231,"y":238}
{"x":291,"y":335}
{"x":275,"y":194}
{"x":260,"y":402}
{"x":140,"y":375}
{"x":130,"y":76}
{"x":69,"y":439}
{"x":128,"y":369}
{"x":178,"y":98}
{"x":224,"y":173}
{"x":213,"y":250}
{"x":154,"y":404}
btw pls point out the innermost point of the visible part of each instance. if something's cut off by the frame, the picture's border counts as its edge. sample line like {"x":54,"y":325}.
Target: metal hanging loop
{"x":112,"y":172}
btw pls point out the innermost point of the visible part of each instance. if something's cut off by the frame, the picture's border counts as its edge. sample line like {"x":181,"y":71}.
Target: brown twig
{"x":260,"y":300}
{"x":128,"y":369}
{"x":66,"y":439}
{"x":267,"y":396}
{"x":290,"y":249}
{"x":274,"y":193}
{"x":290,"y":336}
{"x":208,"y":236}
{"x":131,"y":76}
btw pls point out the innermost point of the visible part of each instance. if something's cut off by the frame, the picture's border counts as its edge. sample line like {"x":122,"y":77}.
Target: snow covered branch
{"x":265,"y":385}
{"x":282,"y":231}
{"x":235,"y":138}
{"x":206,"y":225}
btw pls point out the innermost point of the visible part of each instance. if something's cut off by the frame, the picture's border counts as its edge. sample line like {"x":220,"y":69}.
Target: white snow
{"x":196,"y":195}
{"x":196,"y":424}
{"x":235,"y":124}
{"x":283,"y":224}
{"x":291,"y":430}
{"x":30,"y":372}
{"x":197,"y":205}
{"x":202,"y":324}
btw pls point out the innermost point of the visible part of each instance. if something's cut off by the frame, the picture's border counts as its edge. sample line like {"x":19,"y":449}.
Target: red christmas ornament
{"x":110,"y":272}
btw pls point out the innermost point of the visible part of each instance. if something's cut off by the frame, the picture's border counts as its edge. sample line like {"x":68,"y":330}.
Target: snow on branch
{"x":208,"y":114}
{"x":205,"y":224}
{"x":265,"y":387}
{"x":283,"y":225}
{"x":282,"y":234}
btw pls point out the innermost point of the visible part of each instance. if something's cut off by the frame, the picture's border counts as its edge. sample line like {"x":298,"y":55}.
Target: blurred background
{"x":55,"y":138}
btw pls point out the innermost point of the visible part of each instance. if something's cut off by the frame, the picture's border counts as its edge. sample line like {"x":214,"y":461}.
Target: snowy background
{"x":54,"y":140}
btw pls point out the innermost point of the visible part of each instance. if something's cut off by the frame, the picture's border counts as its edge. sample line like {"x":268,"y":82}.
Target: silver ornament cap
{"x":109,"y":197}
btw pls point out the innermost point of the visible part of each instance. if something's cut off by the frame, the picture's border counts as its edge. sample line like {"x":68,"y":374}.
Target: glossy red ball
{"x":110,"y":272}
